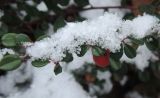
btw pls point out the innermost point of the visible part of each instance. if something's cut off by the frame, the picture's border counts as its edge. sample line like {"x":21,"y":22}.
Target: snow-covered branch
{"x":106,"y":31}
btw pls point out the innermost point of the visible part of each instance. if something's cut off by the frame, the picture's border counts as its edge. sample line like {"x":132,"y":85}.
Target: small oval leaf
{"x":42,"y":37}
{"x":137,"y":41}
{"x":82,"y":3}
{"x":59,"y":23}
{"x":151,"y":43}
{"x":68,"y":58}
{"x":10,"y":62}
{"x":57,"y":69}
{"x":129,"y":51}
{"x":117,"y":55}
{"x":115,"y":64}
{"x":39,"y":63}
{"x":21,"y":38}
{"x":63,"y":2}
{"x":9,"y":39}
{"x":83,"y":51}
{"x":96,"y":51}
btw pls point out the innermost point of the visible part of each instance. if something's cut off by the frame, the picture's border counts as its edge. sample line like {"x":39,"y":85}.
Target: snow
{"x":101,"y":3}
{"x":91,"y":14}
{"x":124,"y":80}
{"x":107,"y":85}
{"x":17,"y":76}
{"x":91,"y":32}
{"x":42,"y":7}
{"x":142,"y":59}
{"x":78,"y":62}
{"x":44,"y":83}
{"x":106,"y":31}
{"x":30,"y":2}
{"x":142,"y":25}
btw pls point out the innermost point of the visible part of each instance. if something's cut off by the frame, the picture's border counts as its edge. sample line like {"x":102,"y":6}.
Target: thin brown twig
{"x":107,"y":7}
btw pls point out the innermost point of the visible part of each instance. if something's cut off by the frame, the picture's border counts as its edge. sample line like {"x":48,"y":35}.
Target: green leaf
{"x":151,"y":43}
{"x":128,"y":16}
{"x":115,"y":64}
{"x":63,"y":2}
{"x":10,"y":62}
{"x":82,"y":3}
{"x":42,"y":37}
{"x":129,"y":51}
{"x":3,"y":29}
{"x":59,"y":23}
{"x":68,"y":58}
{"x":96,"y":51}
{"x":117,"y":55}
{"x":144,"y":76}
{"x":137,"y":41}
{"x":150,"y":9}
{"x":40,"y":63}
{"x":21,"y":38}
{"x":83,"y":51}
{"x":57,"y":69}
{"x":79,"y":18}
{"x":9,"y":39}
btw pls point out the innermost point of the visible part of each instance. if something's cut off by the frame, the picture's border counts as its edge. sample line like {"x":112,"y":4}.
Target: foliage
{"x":17,"y":28}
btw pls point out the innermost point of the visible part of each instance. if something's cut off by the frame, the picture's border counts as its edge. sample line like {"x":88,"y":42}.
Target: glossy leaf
{"x":21,"y":38}
{"x":40,"y":63}
{"x":10,"y":62}
{"x":59,"y":23}
{"x":57,"y":69}
{"x":82,"y":3}
{"x":63,"y":2}
{"x":68,"y":58}
{"x":42,"y":37}
{"x":129,"y":51}
{"x":117,"y":55}
{"x":151,"y":43}
{"x":137,"y":41}
{"x":115,"y":64}
{"x":83,"y":51}
{"x":97,"y":51}
{"x":9,"y":40}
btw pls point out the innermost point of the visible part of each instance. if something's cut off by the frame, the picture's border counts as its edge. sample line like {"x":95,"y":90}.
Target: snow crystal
{"x":42,"y":7}
{"x":106,"y":31}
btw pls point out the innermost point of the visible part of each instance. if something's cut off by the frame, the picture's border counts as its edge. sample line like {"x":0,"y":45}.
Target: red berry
{"x":102,"y":60}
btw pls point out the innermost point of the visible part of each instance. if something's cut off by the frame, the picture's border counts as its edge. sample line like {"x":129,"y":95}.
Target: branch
{"x":116,"y":7}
